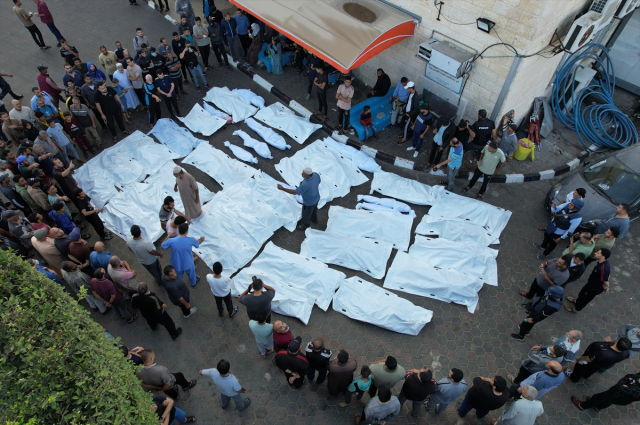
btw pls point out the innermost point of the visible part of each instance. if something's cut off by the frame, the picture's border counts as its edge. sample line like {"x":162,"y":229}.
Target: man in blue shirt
{"x":421,"y":126}
{"x":309,"y":190}
{"x":181,"y":253}
{"x":399,"y":99}
{"x":56,"y":133}
{"x":230,"y":32}
{"x":167,"y":89}
{"x":454,"y":162}
{"x":242,"y":26}
{"x":99,"y":258}
{"x":543,"y":381}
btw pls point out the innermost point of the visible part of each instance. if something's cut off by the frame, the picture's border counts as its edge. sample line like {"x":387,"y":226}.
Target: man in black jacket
{"x":382,"y":85}
{"x":598,"y":357}
{"x":417,"y":387}
{"x":318,"y":357}
{"x":626,"y":391}
{"x":153,"y":310}
{"x":576,"y":268}
{"x":411,"y":110}
{"x":293,"y":364}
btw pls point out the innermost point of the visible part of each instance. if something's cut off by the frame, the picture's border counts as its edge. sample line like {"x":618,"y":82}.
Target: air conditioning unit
{"x":626,"y":7}
{"x":582,"y":79}
{"x":607,"y":9}
{"x":424,"y":51}
{"x":582,"y":31}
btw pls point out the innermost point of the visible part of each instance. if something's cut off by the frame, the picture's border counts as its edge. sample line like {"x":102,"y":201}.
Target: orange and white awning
{"x":327,"y":29}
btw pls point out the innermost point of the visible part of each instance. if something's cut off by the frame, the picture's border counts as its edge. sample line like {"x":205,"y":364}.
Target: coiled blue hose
{"x":602,"y":125}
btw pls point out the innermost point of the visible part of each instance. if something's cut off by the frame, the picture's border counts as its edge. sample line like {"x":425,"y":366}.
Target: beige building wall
{"x":526,"y":24}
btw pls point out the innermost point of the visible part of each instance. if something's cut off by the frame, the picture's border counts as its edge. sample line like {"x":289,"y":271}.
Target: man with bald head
{"x":318,"y":357}
{"x":20,"y":112}
{"x":310,"y":192}
{"x":99,"y":258}
{"x":282,"y":336}
{"x":543,"y":381}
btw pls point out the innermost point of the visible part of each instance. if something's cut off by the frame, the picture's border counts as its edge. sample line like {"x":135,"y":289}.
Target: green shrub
{"x":56,"y":365}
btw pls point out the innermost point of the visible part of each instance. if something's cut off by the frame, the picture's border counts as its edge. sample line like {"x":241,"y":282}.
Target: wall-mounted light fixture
{"x":485,"y":24}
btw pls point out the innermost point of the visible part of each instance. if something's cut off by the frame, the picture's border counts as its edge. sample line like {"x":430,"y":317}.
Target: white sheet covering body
{"x":178,"y":139}
{"x":220,"y":166}
{"x":213,"y":111}
{"x":455,"y":229}
{"x":251,"y":97}
{"x":450,"y":205}
{"x":377,"y":225}
{"x":394,"y":186}
{"x":338,"y":174}
{"x":371,"y":202}
{"x":284,"y":119}
{"x":269,"y":136}
{"x":354,"y":253}
{"x":231,"y":103}
{"x":366,"y":302}
{"x":137,"y":204}
{"x":200,"y":121}
{"x":291,"y":273}
{"x":241,"y":154}
{"x":410,"y":273}
{"x":467,"y":257}
{"x":237,"y":222}
{"x":361,"y":159}
{"x":261,"y":148}
{"x":126,"y":163}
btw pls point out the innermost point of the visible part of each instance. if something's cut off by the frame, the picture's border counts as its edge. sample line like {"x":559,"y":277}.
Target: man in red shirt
{"x":47,"y":19}
{"x":104,"y":290}
{"x":49,"y":86}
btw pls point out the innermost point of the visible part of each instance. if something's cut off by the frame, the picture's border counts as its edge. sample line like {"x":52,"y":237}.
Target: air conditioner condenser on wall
{"x":607,"y":9}
{"x":582,"y":31}
{"x":626,"y":7}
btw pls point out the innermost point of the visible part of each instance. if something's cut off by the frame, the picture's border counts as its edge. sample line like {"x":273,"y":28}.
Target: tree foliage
{"x":56,"y":365}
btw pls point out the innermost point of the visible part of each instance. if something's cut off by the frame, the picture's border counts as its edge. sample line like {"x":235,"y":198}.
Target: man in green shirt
{"x":385,"y":372}
{"x":490,"y":158}
{"x":26,"y":19}
{"x":605,"y":240}
{"x":585,"y":245}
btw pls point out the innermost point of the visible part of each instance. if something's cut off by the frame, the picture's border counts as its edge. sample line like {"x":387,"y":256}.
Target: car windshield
{"x":611,"y":177}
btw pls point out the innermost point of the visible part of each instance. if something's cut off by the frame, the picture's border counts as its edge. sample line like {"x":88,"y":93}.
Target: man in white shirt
{"x":20,"y":112}
{"x":221,"y":288}
{"x":524,"y":411}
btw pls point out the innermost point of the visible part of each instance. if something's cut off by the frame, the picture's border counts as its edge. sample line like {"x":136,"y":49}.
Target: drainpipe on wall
{"x":505,"y":88}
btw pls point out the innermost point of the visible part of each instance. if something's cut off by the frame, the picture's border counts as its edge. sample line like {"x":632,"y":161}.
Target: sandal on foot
{"x":570,"y":309}
{"x":442,"y":182}
{"x":478,"y":196}
{"x":576,"y":402}
{"x":543,"y":228}
{"x":523,"y":293}
{"x":133,"y":318}
{"x":571,"y":300}
{"x":466,"y":189}
{"x":192,"y":384}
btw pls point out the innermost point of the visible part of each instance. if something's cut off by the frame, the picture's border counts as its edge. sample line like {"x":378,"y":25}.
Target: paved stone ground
{"x":477,"y":343}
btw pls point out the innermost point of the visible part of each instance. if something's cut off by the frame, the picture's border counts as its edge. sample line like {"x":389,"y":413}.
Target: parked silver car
{"x":609,"y":182}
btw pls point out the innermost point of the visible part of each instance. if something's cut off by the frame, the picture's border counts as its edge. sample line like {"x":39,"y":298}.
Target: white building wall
{"x":526,"y":24}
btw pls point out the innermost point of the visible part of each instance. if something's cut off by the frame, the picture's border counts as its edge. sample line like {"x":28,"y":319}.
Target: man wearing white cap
{"x":309,"y":190}
{"x":189,"y":193}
